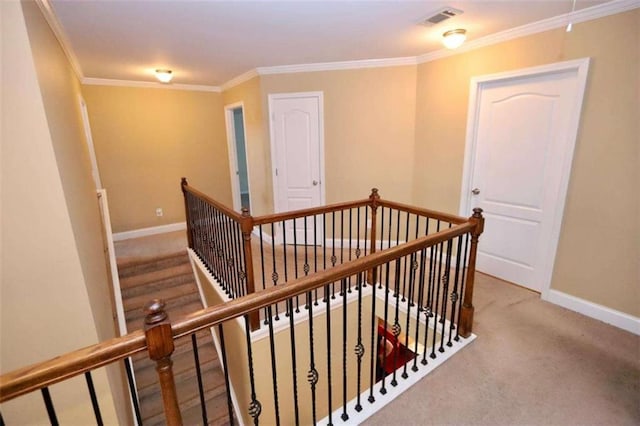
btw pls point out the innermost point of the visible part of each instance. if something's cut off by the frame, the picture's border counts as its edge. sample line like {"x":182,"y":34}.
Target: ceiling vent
{"x":441,"y":15}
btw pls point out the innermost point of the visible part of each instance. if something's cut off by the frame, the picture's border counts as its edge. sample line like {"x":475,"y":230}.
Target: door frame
{"x":274,"y":178}
{"x":581,"y":66}
{"x":233,"y":154}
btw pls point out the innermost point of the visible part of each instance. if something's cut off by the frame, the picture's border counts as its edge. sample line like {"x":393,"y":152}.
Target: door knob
{"x":475,"y":191}
{"x":315,"y":183}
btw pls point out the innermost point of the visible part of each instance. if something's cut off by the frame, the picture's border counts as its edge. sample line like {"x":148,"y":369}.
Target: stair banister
{"x":246,"y":225}
{"x":183,"y":186}
{"x":466,"y":315}
{"x":159,"y":336}
{"x":373,"y":204}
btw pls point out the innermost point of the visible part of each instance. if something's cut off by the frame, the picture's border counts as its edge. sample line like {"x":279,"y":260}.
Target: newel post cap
{"x":374,"y":197}
{"x":477,"y":212}
{"x":154,"y":311}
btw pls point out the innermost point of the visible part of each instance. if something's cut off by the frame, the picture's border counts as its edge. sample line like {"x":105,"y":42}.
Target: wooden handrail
{"x":55,"y":370}
{"x":278,"y":217}
{"x":424,"y":212}
{"x":31,"y":378}
{"x":224,"y":209}
{"x":212,"y":316}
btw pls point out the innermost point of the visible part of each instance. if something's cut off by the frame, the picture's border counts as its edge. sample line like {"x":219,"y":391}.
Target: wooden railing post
{"x":372,"y":274}
{"x":157,"y":330}
{"x":466,"y":315}
{"x":183,"y":186}
{"x":247,"y":228}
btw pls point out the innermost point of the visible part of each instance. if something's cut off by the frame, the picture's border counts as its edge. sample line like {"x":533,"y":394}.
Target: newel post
{"x":246,"y":226}
{"x":374,"y":202}
{"x":157,"y":329}
{"x":187,"y":213}
{"x":466,"y":314}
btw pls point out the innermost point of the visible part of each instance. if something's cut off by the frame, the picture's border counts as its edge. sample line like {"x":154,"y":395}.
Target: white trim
{"x":240,"y":79}
{"x":320,"y":97}
{"x":265,"y":236}
{"x":303,"y":316}
{"x":581,"y":67}
{"x":233,"y":153}
{"x":115,"y":281}
{"x":344,"y":243}
{"x":393,"y":392}
{"x":52,"y":19}
{"x":148,"y":84}
{"x":582,"y":15}
{"x":602,"y":313}
{"x":113,"y":265}
{"x":337,"y":66}
{"x":144,"y":232}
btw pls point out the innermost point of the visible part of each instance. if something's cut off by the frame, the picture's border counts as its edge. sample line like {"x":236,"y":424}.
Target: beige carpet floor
{"x":533,"y":363}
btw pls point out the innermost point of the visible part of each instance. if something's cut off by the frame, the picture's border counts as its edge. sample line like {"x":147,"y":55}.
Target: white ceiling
{"x":211,"y":42}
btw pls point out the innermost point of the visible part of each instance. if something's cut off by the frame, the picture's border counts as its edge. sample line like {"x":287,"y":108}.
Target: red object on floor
{"x":399,"y":354}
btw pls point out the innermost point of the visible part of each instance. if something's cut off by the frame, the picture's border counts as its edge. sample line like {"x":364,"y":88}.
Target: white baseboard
{"x":602,"y":313}
{"x":144,"y":232}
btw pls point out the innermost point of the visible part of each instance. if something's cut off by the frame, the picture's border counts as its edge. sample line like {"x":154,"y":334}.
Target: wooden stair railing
{"x":159,"y":334}
{"x":246,"y":223}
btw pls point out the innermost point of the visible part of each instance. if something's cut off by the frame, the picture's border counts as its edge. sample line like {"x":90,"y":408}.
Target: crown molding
{"x":240,"y":79}
{"x":65,"y":44}
{"x":149,"y":85}
{"x":583,"y":15}
{"x":337,"y":66}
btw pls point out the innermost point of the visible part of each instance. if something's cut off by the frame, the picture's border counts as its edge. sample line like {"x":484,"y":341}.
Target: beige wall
{"x":146,"y":140}
{"x":236,"y":347}
{"x":46,"y":307}
{"x":258,"y":154}
{"x":369,"y":121}
{"x":599,"y":251}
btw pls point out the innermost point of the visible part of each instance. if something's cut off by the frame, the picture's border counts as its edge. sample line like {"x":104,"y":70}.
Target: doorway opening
{"x":238,"y":158}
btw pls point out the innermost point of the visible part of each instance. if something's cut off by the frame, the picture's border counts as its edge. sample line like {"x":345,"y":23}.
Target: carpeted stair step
{"x":153,"y":287}
{"x":184,"y":372}
{"x":217,"y":413}
{"x":183,"y":362}
{"x":180,"y":294}
{"x":188,"y":396}
{"x":139,"y":265}
{"x":175,"y":309}
{"x":154,"y":276}
{"x":170,"y":278}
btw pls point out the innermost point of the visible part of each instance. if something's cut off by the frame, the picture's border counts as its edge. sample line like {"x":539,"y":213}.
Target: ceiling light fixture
{"x":454,"y":38}
{"x":164,"y":76}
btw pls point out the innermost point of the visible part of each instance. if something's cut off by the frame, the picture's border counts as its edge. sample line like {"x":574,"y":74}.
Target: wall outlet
{"x":159,"y":212}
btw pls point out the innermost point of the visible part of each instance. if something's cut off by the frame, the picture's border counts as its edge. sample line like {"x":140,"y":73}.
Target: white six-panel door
{"x":522,"y":131}
{"x":297,"y":159}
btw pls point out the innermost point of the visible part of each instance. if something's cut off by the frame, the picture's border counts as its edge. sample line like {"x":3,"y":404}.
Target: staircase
{"x":170,"y":277}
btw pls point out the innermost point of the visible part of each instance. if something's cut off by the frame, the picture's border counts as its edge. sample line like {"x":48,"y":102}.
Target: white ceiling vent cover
{"x":441,"y":15}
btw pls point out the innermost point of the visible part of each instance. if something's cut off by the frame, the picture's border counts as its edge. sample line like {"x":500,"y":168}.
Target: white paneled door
{"x":298,"y":172}
{"x":523,"y":130}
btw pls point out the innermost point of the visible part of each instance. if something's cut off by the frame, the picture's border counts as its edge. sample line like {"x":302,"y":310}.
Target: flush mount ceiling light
{"x":164,"y":76}
{"x":454,"y":38}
